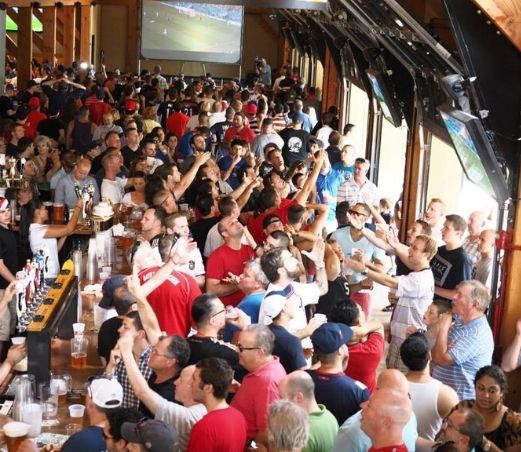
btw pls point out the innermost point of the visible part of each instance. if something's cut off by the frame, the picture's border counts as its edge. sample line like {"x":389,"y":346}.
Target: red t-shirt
{"x":172,"y":300}
{"x":219,"y":431}
{"x":399,"y":448}
{"x":31,"y":124}
{"x":176,"y":124}
{"x":255,"y":224}
{"x":244,"y":134}
{"x":364,"y":359}
{"x":226,"y":260}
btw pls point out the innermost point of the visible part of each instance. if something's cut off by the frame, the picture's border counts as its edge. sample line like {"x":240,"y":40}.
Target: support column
{"x":330,"y":85}
{"x":414,"y":179}
{"x":132,"y":36}
{"x":3,"y":14}
{"x":69,"y":29}
{"x":511,"y":308}
{"x":85,"y":33}
{"x":49,"y":34}
{"x":25,"y":47}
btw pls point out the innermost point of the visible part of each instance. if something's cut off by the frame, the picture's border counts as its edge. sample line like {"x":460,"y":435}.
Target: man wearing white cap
{"x":278,"y":311}
{"x":102,"y":394}
{"x":9,"y":265}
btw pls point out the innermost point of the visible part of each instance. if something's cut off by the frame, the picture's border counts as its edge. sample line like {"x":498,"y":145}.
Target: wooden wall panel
{"x":49,"y":34}
{"x":85,"y":33}
{"x":69,"y":34}
{"x":25,"y":46}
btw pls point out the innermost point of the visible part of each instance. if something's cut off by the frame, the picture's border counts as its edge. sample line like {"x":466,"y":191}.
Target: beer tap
{"x":21,"y":305}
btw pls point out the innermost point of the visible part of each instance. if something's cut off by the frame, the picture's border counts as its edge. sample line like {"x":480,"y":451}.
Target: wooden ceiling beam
{"x":46,"y":3}
{"x":506,"y":15}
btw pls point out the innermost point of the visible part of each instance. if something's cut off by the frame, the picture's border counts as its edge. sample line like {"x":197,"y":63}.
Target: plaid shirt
{"x":129,"y":398}
{"x":352,"y":193}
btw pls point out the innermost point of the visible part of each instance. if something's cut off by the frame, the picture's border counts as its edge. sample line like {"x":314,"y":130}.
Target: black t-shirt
{"x":337,"y":291}
{"x":50,"y":128}
{"x":164,"y":110}
{"x":200,"y":230}
{"x":288,"y":348}
{"x":401,"y":268}
{"x":129,"y":155}
{"x":207,"y":347}
{"x":333,"y":153}
{"x":11,"y":149}
{"x":295,"y":147}
{"x":8,"y":253}
{"x":6,"y":103}
{"x":451,"y":267}
{"x":108,"y":336}
{"x":166,"y":389}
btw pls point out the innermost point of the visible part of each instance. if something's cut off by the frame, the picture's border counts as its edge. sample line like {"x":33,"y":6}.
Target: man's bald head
{"x":476,"y":223}
{"x":297,"y":386}
{"x":392,"y":379}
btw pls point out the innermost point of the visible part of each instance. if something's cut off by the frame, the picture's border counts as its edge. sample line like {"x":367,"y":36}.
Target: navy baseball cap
{"x":108,"y":288}
{"x":329,"y":337}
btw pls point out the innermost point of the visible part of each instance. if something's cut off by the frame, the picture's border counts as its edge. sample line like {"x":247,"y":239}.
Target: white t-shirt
{"x":113,"y":189}
{"x":181,"y":418}
{"x":195,"y":266}
{"x":37,"y":240}
{"x":323,"y":135}
{"x":415,"y":293}
{"x":304,"y":294}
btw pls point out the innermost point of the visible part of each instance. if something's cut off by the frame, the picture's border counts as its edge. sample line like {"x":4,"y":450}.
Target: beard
{"x":294,"y":274}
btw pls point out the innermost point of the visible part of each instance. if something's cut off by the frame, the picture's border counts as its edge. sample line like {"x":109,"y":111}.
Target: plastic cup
{"x":183,"y":207}
{"x":78,"y":328}
{"x":18,"y":340}
{"x":322,"y":317}
{"x":32,"y":415}
{"x":76,"y":412}
{"x":15,"y":433}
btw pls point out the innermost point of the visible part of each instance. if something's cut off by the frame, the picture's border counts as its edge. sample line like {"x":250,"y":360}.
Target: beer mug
{"x":61,"y":385}
{"x":15,"y":433}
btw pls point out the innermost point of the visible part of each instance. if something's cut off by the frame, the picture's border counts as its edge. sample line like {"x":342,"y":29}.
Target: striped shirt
{"x":351,"y":192}
{"x":473,"y":345}
{"x":181,"y":418}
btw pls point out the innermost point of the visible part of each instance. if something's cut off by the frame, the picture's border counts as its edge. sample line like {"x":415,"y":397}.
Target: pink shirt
{"x":258,"y":390}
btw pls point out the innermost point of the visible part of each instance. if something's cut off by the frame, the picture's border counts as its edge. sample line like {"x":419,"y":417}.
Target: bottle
{"x":66,"y":214}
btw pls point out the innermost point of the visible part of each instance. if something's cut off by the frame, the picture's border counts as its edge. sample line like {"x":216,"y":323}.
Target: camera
{"x":259,"y":61}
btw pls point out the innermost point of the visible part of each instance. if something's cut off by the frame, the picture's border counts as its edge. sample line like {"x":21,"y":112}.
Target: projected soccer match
{"x":191,"y":31}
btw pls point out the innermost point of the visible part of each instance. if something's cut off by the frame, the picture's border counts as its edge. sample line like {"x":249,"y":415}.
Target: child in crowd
{"x":431,"y":319}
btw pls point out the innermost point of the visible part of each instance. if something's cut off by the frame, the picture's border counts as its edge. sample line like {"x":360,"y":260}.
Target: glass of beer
{"x":58,"y":209}
{"x":61,"y":385}
{"x":79,"y":346}
{"x":15,"y":433}
{"x":76,"y":412}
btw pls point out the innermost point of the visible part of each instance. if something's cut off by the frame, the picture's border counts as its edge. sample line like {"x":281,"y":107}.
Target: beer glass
{"x":49,"y":400}
{"x":15,"y":433}
{"x":79,"y":346}
{"x":61,"y":384}
{"x":76,"y":412}
{"x":58,"y":209}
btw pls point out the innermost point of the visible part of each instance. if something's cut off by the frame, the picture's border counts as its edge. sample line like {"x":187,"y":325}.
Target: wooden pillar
{"x":511,"y":308}
{"x":69,"y":29}
{"x":132,"y":36}
{"x":330,"y":84}
{"x":25,"y":47}
{"x":85,"y":33}
{"x":413,"y":177}
{"x":49,"y":34}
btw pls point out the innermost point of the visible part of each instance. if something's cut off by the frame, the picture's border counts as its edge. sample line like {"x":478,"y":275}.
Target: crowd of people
{"x":247,"y":320}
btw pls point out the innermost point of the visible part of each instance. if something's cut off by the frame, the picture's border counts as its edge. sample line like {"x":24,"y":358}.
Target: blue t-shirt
{"x":88,"y":440}
{"x":339,"y":393}
{"x":250,"y":305}
{"x":225,"y":163}
{"x":346,"y":242}
{"x":288,"y":348}
{"x":327,"y":189}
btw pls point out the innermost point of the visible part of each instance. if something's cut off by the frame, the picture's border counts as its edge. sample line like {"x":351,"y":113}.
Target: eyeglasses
{"x":243,"y":349}
{"x":217,"y":313}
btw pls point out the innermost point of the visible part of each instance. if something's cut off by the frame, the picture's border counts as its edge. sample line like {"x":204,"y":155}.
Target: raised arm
{"x":146,"y":313}
{"x":440,"y":351}
{"x":188,"y":178}
{"x":57,"y":231}
{"x":303,"y":194}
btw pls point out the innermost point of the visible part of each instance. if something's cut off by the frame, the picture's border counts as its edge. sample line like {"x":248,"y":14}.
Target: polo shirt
{"x":288,"y":348}
{"x":323,"y":428}
{"x":258,"y":390}
{"x":473,"y":345}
